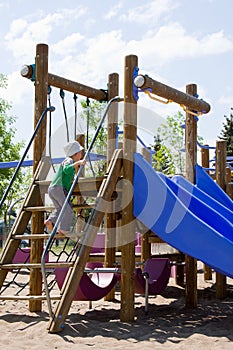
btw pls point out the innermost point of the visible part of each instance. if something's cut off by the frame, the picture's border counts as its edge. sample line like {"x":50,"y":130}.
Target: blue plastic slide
{"x":204,"y":197}
{"x":208,"y":185}
{"x":183,"y":219}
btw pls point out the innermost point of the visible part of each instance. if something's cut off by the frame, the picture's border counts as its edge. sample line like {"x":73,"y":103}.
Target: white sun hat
{"x":71,"y":148}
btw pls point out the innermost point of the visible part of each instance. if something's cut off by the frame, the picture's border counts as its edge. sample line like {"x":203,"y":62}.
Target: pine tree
{"x":227,"y":134}
{"x":162,"y":159}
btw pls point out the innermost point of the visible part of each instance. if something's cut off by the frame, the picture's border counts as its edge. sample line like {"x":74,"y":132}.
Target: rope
{"x":87,"y":141}
{"x":62,"y":94}
{"x":196,"y":114}
{"x":186,"y":110}
{"x":75,"y":116}
{"x":50,"y":127}
{"x":156,"y":98}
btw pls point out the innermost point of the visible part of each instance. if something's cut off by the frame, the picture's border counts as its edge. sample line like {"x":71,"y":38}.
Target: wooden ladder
{"x":76,"y":271}
{"x":32,"y":206}
{"x":102,"y":188}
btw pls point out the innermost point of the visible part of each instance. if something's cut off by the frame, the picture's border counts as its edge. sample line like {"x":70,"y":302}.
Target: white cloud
{"x":150,"y":12}
{"x":226,"y":100}
{"x":114,"y":11}
{"x":24,"y":33}
{"x":18,"y":89}
{"x":67,"y":45}
{"x":172,"y":41}
{"x":216,"y":43}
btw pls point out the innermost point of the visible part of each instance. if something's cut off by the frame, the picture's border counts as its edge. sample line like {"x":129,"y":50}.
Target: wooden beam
{"x":191,"y":160}
{"x":110,"y":238}
{"x":205,"y":162}
{"x":37,"y":224}
{"x":171,"y":94}
{"x":128,"y":220}
{"x":221,"y":286}
{"x":68,"y":85}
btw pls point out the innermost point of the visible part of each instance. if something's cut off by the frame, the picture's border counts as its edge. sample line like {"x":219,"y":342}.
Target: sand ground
{"x":168,"y":325}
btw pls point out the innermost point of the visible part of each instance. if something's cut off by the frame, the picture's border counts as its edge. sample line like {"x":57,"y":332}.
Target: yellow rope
{"x":156,"y":98}
{"x":196,"y":114}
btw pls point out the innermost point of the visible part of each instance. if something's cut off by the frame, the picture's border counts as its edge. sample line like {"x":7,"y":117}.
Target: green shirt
{"x":65,"y":174}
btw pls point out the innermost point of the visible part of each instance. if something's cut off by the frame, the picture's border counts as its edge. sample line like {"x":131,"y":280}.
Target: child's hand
{"x":82,"y":162}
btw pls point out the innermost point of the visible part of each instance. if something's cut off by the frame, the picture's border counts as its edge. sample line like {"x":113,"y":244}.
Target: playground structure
{"x":120,"y":163}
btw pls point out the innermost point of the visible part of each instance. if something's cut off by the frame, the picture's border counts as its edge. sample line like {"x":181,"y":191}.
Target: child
{"x":61,"y":185}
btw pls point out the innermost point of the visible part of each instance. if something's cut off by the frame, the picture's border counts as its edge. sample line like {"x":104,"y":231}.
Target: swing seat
{"x":22,"y":256}
{"x":158,"y":271}
{"x":91,"y":288}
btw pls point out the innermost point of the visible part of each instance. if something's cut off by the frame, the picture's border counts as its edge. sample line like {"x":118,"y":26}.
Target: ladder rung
{"x":40,"y":208}
{"x":36,"y":236}
{"x":28,"y":297}
{"x":51,"y":208}
{"x":84,"y":205}
{"x":28,"y":265}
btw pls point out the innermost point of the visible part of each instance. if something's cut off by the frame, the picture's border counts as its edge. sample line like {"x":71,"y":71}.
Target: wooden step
{"x":85,"y":187}
{"x":36,"y":236}
{"x":50,"y":265}
{"x":51,"y":208}
{"x":39,"y":208}
{"x":28,"y":297}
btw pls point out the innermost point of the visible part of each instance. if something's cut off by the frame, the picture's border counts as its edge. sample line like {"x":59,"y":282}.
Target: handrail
{"x":62,"y":212}
{"x":205,"y":146}
{"x":46,"y":110}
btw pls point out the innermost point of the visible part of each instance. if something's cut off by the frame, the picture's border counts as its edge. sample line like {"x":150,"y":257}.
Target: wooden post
{"x":171,"y":94}
{"x":229,"y":183}
{"x":128,"y":222}
{"x":110,"y":244}
{"x":221,"y":181}
{"x":145,"y":245}
{"x":191,"y":159}
{"x":80,"y":223}
{"x":37,"y":224}
{"x":205,"y":161}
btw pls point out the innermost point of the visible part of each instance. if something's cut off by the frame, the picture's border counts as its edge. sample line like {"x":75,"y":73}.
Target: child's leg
{"x":58,"y":196}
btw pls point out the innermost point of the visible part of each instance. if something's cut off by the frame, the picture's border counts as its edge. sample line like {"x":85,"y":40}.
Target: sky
{"x":177,"y":42}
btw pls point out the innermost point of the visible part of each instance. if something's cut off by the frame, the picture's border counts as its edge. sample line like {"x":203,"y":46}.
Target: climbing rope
{"x":50,"y":128}
{"x":75,"y":115}
{"x":156,"y":98}
{"x":62,"y":95}
{"x":186,"y":110}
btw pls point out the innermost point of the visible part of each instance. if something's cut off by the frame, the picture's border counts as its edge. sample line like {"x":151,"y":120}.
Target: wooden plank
{"x":146,"y":236}
{"x":221,"y":146}
{"x":205,"y":162}
{"x":35,"y":236}
{"x":37,"y":222}
{"x":68,"y":85}
{"x":35,"y":266}
{"x":21,"y":222}
{"x":28,"y":297}
{"x":169,"y":93}
{"x":74,"y":274}
{"x":110,"y":238}
{"x":191,"y":160}
{"x":51,"y":208}
{"x":128,"y":220}
{"x":39,"y":208}
{"x":75,"y":87}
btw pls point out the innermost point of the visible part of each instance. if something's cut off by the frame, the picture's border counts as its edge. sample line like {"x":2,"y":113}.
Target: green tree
{"x":92,"y":112}
{"x":162,"y":158}
{"x":172,"y":134}
{"x":227,"y":133}
{"x":9,"y":151}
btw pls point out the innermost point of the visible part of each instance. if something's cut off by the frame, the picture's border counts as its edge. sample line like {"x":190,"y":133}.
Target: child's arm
{"x":80,"y":162}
